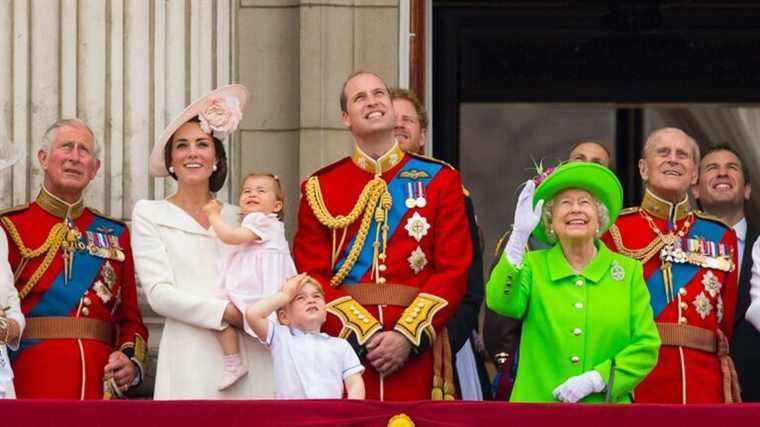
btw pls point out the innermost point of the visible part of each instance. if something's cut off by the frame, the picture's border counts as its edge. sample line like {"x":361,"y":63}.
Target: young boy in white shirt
{"x":307,"y":364}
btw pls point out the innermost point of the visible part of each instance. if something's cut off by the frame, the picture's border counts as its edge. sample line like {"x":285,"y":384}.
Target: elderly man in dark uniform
{"x":385,"y":233}
{"x":84,"y":336}
{"x":690,"y":266}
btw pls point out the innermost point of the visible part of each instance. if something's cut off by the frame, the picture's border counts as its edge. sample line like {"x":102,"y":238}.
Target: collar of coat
{"x":594,"y":271}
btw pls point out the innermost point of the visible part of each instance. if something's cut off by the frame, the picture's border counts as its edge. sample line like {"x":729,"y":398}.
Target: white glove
{"x":526,"y":219}
{"x":578,"y":387}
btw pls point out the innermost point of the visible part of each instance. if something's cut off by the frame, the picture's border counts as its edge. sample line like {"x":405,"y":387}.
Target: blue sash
{"x":683,"y":273}
{"x":397,"y":188}
{"x":60,"y":299}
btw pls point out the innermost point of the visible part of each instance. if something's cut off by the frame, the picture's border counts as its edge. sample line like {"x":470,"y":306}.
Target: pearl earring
{"x":171,"y":169}
{"x":214,"y":168}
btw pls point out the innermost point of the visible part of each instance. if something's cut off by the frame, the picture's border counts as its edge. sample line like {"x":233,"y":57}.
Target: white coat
{"x":8,"y":298}
{"x":176,"y":260}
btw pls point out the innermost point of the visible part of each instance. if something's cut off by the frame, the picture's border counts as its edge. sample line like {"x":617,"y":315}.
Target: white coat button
{"x":575,"y":359}
{"x":579,"y":305}
{"x":579,"y":283}
{"x":577,"y":331}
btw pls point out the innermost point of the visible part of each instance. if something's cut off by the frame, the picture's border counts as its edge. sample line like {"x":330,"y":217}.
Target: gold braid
{"x":374,"y":196}
{"x":51,"y":245}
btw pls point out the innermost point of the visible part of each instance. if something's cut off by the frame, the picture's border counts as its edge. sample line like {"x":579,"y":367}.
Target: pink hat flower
{"x":221,"y":116}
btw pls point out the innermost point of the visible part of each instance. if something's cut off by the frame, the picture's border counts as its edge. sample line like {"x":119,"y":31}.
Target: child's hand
{"x":212,"y":208}
{"x":293,"y":286}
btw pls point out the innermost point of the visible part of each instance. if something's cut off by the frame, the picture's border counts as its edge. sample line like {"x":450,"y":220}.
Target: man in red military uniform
{"x":84,"y":337}
{"x":386,"y":235}
{"x":689,"y":263}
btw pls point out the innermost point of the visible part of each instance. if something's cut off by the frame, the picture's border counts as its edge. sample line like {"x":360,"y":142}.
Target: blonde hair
{"x":277,"y":189}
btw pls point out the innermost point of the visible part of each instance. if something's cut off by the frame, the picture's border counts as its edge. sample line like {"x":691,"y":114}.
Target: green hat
{"x":596,"y":179}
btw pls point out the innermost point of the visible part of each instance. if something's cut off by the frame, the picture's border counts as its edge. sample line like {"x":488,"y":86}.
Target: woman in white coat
{"x":11,"y":320}
{"x":176,"y":256}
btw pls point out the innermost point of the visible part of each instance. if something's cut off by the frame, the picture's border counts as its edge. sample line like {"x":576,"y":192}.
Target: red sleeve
{"x":729,"y":290}
{"x":133,"y":335}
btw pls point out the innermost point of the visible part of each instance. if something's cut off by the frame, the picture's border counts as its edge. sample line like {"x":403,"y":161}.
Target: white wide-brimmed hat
{"x":219,"y":112}
{"x":9,"y":154}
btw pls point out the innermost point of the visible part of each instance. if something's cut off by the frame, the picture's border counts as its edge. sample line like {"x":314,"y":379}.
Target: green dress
{"x":573,"y":323}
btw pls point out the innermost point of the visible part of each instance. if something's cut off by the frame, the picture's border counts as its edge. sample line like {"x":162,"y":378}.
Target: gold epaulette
{"x":418,"y":318}
{"x":710,"y":217}
{"x":322,"y":170}
{"x":431,"y":159}
{"x":14,"y":209}
{"x":630,"y":210}
{"x":355,"y":318}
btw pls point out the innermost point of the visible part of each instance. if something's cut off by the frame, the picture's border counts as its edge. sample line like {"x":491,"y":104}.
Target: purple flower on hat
{"x":541,"y":172}
{"x":221,"y":116}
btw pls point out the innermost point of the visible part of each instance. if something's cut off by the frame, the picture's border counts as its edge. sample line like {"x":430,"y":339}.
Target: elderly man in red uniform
{"x":689,"y":263}
{"x":84,"y":337}
{"x":386,"y":235}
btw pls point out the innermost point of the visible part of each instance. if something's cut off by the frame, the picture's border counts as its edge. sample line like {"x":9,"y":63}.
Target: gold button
{"x":86,"y":301}
{"x":381,"y":280}
{"x":682,"y":291}
{"x":684,"y":305}
{"x":382,"y":267}
{"x":420,"y":305}
{"x":85,"y":311}
{"x":409,"y":319}
{"x":682,"y":320}
{"x":579,"y":305}
{"x":577,"y":331}
{"x":575,"y":359}
{"x":365,"y":320}
{"x":579,"y":283}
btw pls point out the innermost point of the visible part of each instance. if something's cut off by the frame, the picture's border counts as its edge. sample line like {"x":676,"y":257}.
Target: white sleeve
{"x":157,"y":280}
{"x":351,"y":364}
{"x":753,"y":312}
{"x":7,"y":288}
{"x":260,"y":224}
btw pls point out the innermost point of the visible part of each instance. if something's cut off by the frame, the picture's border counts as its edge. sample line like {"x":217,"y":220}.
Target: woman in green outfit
{"x":588,"y":332}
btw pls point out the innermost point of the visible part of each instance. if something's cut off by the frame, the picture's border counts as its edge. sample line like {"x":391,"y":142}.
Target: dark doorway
{"x":619,"y":53}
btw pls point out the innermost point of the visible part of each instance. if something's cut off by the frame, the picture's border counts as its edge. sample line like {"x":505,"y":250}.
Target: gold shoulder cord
{"x":51,"y":245}
{"x":644,"y":254}
{"x":374,"y":202}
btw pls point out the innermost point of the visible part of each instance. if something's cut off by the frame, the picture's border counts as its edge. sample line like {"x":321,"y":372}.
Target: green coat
{"x":573,"y":323}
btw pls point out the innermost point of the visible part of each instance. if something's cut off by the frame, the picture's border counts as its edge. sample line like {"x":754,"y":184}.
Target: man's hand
{"x":388,"y":351}
{"x":124,"y":371}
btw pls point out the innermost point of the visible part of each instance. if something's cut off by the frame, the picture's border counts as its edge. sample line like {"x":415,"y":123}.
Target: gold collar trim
{"x":383,"y":164}
{"x":57,"y":207}
{"x":663,"y":209}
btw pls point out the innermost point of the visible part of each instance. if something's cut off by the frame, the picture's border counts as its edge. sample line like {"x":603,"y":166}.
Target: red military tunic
{"x":100,"y":287}
{"x":702,"y":294}
{"x":428,"y":249}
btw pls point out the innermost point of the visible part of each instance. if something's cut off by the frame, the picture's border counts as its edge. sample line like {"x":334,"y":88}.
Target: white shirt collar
{"x":741,"y":229}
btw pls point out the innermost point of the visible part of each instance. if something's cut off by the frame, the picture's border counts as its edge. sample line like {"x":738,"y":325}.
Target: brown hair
{"x":277,"y":189}
{"x":344,"y":97}
{"x":217,"y":178}
{"x":422,"y":116}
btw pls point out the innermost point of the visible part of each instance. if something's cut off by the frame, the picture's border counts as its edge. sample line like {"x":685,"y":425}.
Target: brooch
{"x":417,"y":260}
{"x":417,"y":226}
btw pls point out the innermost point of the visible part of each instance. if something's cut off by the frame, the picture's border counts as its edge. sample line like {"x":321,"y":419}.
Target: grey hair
{"x":657,"y":134}
{"x":50,"y":133}
{"x":601,"y":211}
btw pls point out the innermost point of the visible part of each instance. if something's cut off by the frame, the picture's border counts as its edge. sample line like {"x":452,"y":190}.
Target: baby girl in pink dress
{"x":259,"y":263}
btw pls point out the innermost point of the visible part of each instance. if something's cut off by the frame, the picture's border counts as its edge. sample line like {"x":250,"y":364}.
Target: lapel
{"x":742,"y":297}
{"x":170,"y":215}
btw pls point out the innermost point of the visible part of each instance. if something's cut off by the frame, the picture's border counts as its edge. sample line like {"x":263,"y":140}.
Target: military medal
{"x":410,"y":200}
{"x":417,"y":226}
{"x":420,"y":200}
{"x":417,"y":260}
